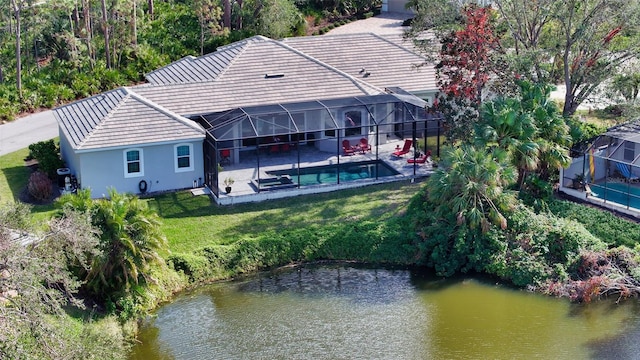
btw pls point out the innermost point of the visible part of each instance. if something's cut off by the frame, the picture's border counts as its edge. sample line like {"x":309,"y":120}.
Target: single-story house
{"x":607,"y":172}
{"x":174,"y":131}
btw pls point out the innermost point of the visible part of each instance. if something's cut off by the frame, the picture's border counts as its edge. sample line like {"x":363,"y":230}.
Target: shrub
{"x":194,"y":266}
{"x":39,"y":186}
{"x":611,"y":229}
{"x":48,"y":155}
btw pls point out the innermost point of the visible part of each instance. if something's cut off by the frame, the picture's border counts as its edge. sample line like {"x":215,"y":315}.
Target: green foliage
{"x":368,"y":241}
{"x":48,"y":155}
{"x":130,"y":243}
{"x":536,"y":192}
{"x":469,"y":186}
{"x":627,"y":85}
{"x":612,"y":229}
{"x":541,"y":247}
{"x":582,"y":132}
{"x":530,"y":129}
{"x":278,"y":18}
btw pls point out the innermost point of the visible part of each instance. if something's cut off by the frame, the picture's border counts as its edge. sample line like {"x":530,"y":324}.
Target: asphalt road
{"x":27,"y":130}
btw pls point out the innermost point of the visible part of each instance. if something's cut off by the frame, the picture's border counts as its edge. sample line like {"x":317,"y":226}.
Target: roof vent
{"x":273,"y":76}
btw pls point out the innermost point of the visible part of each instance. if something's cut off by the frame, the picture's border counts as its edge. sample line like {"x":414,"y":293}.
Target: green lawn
{"x":15,"y":175}
{"x":193,"y":222}
{"x":14,"y":179}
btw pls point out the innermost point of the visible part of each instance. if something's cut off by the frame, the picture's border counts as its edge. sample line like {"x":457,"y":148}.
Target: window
{"x":133,"y":163}
{"x":352,"y":123}
{"x":183,"y":157}
{"x":629,"y":151}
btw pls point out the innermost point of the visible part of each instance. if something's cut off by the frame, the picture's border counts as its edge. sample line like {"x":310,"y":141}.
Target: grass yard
{"x":193,"y":222}
{"x":15,"y":175}
{"x":14,"y":179}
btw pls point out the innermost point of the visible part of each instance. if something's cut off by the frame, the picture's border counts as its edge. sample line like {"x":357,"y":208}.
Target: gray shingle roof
{"x":121,"y":118}
{"x":262,"y":71}
{"x":388,"y":62}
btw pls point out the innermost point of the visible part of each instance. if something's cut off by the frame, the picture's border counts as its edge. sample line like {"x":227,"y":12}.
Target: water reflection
{"x":344,"y":312}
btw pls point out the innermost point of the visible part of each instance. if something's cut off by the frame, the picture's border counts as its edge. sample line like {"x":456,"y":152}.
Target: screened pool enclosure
{"x":267,"y":138}
{"x":608,"y":172}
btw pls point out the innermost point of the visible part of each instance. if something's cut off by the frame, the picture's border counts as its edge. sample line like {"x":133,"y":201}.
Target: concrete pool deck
{"x":245,"y":172}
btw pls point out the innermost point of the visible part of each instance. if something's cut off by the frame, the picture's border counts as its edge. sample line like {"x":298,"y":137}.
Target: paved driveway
{"x":383,"y":24}
{"x":27,"y":130}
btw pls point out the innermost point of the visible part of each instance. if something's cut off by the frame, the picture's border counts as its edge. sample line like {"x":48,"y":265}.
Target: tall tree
{"x":529,"y":129}
{"x":433,"y":19}
{"x":16,"y":8}
{"x":209,"y":14}
{"x":466,"y":56}
{"x":528,"y":23}
{"x":226,"y":16}
{"x":591,"y":39}
{"x":277,"y":18}
{"x":105,"y":30}
{"x":467,"y":59}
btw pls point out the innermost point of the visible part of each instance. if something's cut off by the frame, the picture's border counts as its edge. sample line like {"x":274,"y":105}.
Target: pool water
{"x":329,"y":174}
{"x":620,"y":193}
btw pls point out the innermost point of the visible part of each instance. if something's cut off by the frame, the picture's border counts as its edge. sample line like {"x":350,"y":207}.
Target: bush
{"x":48,"y":155}
{"x":39,"y":186}
{"x":613,"y":230}
{"x":194,"y":266}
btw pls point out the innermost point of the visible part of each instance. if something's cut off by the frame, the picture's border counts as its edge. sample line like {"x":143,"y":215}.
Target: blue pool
{"x":329,"y":174}
{"x":627,"y":195}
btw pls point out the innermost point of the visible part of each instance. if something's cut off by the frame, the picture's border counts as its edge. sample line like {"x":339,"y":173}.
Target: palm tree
{"x":530,"y":129}
{"x":130,"y":240}
{"x":552,"y":136}
{"x":505,"y":126}
{"x":471,"y":183}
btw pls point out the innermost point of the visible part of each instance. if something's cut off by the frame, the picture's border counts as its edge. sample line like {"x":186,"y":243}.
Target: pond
{"x":351,"y":312}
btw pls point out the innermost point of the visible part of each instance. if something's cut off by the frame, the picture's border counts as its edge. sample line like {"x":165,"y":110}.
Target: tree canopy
{"x":579,"y":43}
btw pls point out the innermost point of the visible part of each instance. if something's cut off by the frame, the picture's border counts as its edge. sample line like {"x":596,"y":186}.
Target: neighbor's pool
{"x":329,"y":174}
{"x":619,"y":193}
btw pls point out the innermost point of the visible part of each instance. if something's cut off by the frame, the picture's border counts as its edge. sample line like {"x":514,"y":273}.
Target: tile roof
{"x":121,"y":118}
{"x":263,"y":71}
{"x":389,"y":61}
{"x":254,"y":71}
{"x":204,"y":68}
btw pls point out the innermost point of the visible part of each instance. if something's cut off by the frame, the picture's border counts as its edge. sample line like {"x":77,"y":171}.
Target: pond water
{"x":347,"y":312}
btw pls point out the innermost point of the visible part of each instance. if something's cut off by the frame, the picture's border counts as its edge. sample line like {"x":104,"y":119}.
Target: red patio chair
{"x":225,"y":157}
{"x":405,"y":149}
{"x":364,"y":145}
{"x":347,"y":148}
{"x":421,"y":159}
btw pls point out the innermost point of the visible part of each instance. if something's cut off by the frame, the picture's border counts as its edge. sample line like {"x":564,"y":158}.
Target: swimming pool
{"x":329,"y":174}
{"x":620,"y":193}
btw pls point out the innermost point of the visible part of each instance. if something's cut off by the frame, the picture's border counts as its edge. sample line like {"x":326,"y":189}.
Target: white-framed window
{"x":183,"y":157}
{"x":133,"y":163}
